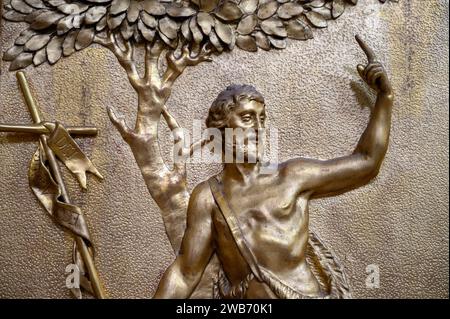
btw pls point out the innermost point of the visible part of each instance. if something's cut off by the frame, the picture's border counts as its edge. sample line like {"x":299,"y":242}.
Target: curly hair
{"x":227,"y":100}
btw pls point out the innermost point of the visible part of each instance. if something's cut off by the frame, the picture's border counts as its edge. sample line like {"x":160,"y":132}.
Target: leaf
{"x":228,"y":11}
{"x":206,"y":22}
{"x":248,"y":6}
{"x":169,"y":28}
{"x":54,"y":49}
{"x":148,"y":20}
{"x":12,"y":52}
{"x":297,"y":29}
{"x":195,"y":30}
{"x":73,"y":8}
{"x":23,"y":60}
{"x":169,"y":42}
{"x":185,"y":30}
{"x":274,"y":26}
{"x":267,"y":9}
{"x":94,"y":14}
{"x":247,"y":25}
{"x":24,"y":36}
{"x":278,"y":43}
{"x":246,"y":43}
{"x":119,"y":6}
{"x":153,"y":7}
{"x":262,"y":40}
{"x":40,"y":57}
{"x":14,"y":16}
{"x":133,"y":11}
{"x":77,"y":20}
{"x":224,"y":32}
{"x":101,"y":24}
{"x":32,"y":16}
{"x":324,"y":11}
{"x":215,"y":41}
{"x":147,"y":33}
{"x":37,"y":42}
{"x":46,"y":19}
{"x":21,"y":7}
{"x":126,"y":30}
{"x":38,"y":4}
{"x":56,"y":3}
{"x":115,"y":21}
{"x":84,"y":38}
{"x":69,"y":43}
{"x":338,"y":8}
{"x":177,"y":11}
{"x":208,"y":5}
{"x":64,"y":25}
{"x":317,"y":3}
{"x":316,"y":19}
{"x":289,"y":10}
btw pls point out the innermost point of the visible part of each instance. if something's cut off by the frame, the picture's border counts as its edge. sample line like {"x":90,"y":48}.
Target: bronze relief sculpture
{"x":247,"y":232}
{"x":257,"y":223}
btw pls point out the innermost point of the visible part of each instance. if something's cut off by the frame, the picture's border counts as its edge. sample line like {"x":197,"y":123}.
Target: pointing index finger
{"x":367,"y":50}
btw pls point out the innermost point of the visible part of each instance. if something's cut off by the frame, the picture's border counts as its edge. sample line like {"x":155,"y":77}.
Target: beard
{"x":244,"y":153}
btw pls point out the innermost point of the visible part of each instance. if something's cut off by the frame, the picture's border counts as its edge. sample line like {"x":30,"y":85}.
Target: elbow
{"x":371,"y":168}
{"x":373,"y":173}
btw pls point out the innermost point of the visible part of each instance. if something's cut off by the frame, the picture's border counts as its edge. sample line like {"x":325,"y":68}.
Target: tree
{"x":184,"y":33}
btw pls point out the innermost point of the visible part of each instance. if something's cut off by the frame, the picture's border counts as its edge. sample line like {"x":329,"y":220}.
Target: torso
{"x":273,"y":216}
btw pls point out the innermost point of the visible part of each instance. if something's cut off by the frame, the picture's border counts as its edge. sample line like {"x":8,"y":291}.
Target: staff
{"x":56,"y":173}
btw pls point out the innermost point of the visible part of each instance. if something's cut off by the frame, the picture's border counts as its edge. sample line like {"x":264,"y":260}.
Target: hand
{"x":373,"y":74}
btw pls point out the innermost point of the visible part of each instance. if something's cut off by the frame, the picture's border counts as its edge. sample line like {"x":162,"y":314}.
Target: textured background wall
{"x":318,"y":103}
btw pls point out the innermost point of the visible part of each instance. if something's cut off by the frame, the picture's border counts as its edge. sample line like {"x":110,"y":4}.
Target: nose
{"x":258,"y":124}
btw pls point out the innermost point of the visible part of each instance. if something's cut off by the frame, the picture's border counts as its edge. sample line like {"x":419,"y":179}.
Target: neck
{"x":241,"y":171}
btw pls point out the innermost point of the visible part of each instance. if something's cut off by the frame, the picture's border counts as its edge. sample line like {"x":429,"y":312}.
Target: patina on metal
{"x":47,"y":182}
{"x":174,"y":35}
{"x":257,"y":223}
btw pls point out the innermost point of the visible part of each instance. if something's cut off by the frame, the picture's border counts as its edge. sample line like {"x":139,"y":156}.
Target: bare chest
{"x":273,"y":219}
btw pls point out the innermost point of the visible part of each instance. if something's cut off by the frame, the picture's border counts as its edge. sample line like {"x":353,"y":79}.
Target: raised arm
{"x":326,"y":178}
{"x":181,"y":278}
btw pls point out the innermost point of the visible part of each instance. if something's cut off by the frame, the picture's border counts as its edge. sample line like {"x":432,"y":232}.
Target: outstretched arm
{"x":326,"y":178}
{"x":181,"y":278}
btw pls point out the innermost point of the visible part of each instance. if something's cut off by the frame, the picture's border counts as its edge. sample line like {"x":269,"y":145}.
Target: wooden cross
{"x":42,"y":128}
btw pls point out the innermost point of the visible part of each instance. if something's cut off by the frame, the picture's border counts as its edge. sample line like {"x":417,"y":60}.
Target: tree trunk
{"x":167,"y":187}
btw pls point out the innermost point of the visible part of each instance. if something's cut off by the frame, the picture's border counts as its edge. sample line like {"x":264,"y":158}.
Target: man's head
{"x":238,"y":107}
{"x":240,"y":101}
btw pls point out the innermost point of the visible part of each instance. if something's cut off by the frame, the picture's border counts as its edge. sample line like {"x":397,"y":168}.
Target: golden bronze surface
{"x":187,"y":34}
{"x":160,"y":180}
{"x":48,"y":185}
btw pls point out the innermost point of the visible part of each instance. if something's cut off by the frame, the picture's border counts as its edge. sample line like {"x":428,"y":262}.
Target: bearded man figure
{"x":257,"y":223}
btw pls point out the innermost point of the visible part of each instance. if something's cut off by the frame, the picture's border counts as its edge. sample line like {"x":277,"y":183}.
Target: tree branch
{"x":152,"y":55}
{"x":125,"y":57}
{"x":179,"y":162}
{"x":176,"y":66}
{"x":120,"y":124}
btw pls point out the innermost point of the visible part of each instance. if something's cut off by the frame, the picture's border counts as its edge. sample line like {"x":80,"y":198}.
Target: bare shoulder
{"x":201,"y":199}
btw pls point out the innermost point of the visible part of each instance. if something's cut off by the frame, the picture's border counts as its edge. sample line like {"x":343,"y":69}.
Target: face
{"x":249,"y":114}
{"x":250,"y":117}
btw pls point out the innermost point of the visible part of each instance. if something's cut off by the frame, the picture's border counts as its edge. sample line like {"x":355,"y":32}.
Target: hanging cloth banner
{"x":66,"y":215}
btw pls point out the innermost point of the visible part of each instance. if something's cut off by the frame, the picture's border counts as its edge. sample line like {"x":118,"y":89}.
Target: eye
{"x":246,"y":118}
